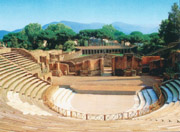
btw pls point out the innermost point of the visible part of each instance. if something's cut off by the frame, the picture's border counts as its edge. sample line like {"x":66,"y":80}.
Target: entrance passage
{"x":107,"y":71}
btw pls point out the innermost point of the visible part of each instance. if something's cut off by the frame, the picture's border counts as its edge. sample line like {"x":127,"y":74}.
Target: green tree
{"x":16,"y":40}
{"x":50,"y":37}
{"x":59,"y":47}
{"x":164,"y":29}
{"x":32,"y":31}
{"x":151,"y":43}
{"x":170,"y":29}
{"x":123,"y":37}
{"x":108,"y":31}
{"x":136,"y":37}
{"x":155,"y":38}
{"x":56,"y":34}
{"x":86,"y":34}
{"x":146,"y":39}
{"x":69,"y":46}
{"x":117,"y":34}
{"x":57,"y":27}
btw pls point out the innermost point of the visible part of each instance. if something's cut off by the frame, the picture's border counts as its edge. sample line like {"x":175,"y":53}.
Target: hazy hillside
{"x":128,"y":28}
{"x":78,"y":26}
{"x":2,"y":33}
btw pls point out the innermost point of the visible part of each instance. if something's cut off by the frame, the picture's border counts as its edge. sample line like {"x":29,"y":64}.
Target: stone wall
{"x":72,"y":55}
{"x":38,"y":53}
{"x":52,"y":61}
{"x":90,"y":67}
{"x":147,"y":59}
{"x":156,"y":67}
{"x":107,"y":58}
{"x":70,"y":64}
{"x":64,"y":56}
{"x":127,"y":65}
{"x":59,"y":69}
{"x":55,"y":69}
{"x":56,"y":55}
{"x":64,"y":69}
{"x":174,"y":61}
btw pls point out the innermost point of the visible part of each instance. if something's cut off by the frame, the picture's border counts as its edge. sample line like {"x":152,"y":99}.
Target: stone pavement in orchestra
{"x":104,"y":103}
{"x":112,"y":83}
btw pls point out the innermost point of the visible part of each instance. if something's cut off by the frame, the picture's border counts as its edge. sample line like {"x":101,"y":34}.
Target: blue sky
{"x":15,"y":14}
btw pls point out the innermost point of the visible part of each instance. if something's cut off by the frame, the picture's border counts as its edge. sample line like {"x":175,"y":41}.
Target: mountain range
{"x":76,"y":26}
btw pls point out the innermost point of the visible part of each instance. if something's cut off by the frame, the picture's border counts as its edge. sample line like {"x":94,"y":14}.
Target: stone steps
{"x":21,"y":61}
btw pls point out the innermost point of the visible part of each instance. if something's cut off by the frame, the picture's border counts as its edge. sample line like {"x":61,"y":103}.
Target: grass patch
{"x":84,"y":55}
{"x":118,"y":54}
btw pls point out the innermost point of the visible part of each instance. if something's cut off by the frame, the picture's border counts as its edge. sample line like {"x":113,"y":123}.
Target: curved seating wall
{"x":16,"y":84}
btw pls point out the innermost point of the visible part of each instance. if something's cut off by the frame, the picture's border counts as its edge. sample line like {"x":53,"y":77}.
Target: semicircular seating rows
{"x":22,"y":61}
{"x":169,"y":112}
{"x":20,"y":86}
{"x":22,"y":107}
{"x":62,"y":98}
{"x":143,"y":100}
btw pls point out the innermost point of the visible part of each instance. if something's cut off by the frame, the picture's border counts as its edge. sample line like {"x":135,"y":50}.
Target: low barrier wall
{"x":104,"y":117}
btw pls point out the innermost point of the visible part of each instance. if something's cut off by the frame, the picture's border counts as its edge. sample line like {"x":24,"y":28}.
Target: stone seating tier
{"x":168,"y":93}
{"x":152,"y":95}
{"x":169,"y":112}
{"x":21,"y":61}
{"x":147,"y":97}
{"x":22,"y":108}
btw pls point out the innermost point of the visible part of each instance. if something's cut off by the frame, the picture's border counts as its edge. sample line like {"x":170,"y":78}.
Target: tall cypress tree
{"x":170,"y":29}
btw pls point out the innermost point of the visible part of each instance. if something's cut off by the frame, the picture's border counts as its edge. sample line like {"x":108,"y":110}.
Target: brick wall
{"x":88,"y":67}
{"x":126,"y":65}
{"x":147,"y":59}
{"x":64,"y":68}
